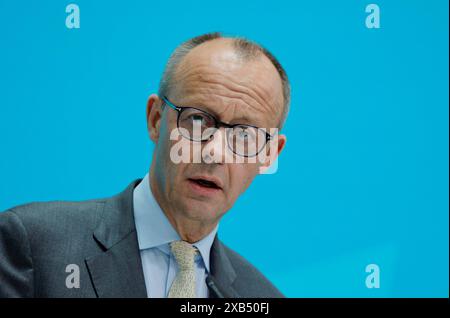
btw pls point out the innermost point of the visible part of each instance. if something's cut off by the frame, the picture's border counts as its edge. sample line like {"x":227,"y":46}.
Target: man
{"x":158,"y":238}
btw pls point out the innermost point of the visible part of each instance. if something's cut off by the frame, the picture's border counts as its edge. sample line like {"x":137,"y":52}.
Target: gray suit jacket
{"x":39,"y":240}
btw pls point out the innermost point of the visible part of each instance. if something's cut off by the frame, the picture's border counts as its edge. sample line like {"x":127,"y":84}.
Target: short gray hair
{"x":245,"y":48}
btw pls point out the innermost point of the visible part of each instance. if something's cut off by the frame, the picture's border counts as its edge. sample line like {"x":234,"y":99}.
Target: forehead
{"x":215,"y":76}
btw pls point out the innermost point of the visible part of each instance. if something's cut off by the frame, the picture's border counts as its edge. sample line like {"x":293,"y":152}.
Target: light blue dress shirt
{"x":154,"y":233}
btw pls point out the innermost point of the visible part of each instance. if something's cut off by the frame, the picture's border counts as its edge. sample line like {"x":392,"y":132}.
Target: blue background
{"x":363,"y":178}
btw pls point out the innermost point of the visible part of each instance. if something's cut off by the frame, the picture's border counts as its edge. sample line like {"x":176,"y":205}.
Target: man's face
{"x":212,"y":78}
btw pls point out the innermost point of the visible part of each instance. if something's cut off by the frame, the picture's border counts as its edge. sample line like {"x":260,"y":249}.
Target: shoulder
{"x":46,"y":218}
{"x":250,"y":282}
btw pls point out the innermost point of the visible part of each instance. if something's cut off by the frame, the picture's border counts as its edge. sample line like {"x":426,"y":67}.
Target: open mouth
{"x":205,"y":183}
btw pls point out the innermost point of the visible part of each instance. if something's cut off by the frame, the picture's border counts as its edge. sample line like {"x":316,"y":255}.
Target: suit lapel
{"x":116,"y":271}
{"x":222,"y":271}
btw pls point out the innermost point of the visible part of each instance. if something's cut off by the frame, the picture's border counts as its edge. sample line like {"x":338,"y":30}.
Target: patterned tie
{"x":184,"y":284}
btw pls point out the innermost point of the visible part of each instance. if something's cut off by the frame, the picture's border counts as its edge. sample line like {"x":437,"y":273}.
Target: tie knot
{"x":184,"y":254}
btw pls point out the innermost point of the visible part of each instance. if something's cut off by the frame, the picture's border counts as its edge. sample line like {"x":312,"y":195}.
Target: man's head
{"x":236,"y":81}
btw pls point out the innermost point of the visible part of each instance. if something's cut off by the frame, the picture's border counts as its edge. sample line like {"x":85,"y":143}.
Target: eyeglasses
{"x":198,"y":125}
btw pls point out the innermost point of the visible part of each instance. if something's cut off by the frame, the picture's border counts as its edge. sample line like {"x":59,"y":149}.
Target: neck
{"x":189,"y":230}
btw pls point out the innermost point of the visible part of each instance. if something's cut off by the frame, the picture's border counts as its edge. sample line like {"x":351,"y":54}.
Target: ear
{"x":273,"y":151}
{"x":154,"y":117}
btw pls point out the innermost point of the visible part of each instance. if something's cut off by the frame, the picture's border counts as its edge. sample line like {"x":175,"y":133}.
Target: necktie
{"x":183,"y":285}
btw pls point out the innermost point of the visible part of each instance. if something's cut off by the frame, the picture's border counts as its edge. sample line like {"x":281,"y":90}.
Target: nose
{"x":215,"y":149}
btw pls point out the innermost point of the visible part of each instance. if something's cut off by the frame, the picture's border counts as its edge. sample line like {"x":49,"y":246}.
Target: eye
{"x":198,"y":119}
{"x":244,"y":133}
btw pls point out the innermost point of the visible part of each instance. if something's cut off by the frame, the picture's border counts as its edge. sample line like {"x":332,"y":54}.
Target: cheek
{"x":166,"y":169}
{"x":173,"y":171}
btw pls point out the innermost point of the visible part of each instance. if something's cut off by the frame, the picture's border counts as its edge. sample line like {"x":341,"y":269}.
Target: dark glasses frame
{"x":217,"y":124}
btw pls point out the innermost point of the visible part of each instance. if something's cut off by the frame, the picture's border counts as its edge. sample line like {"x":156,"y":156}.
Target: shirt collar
{"x":154,"y":229}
